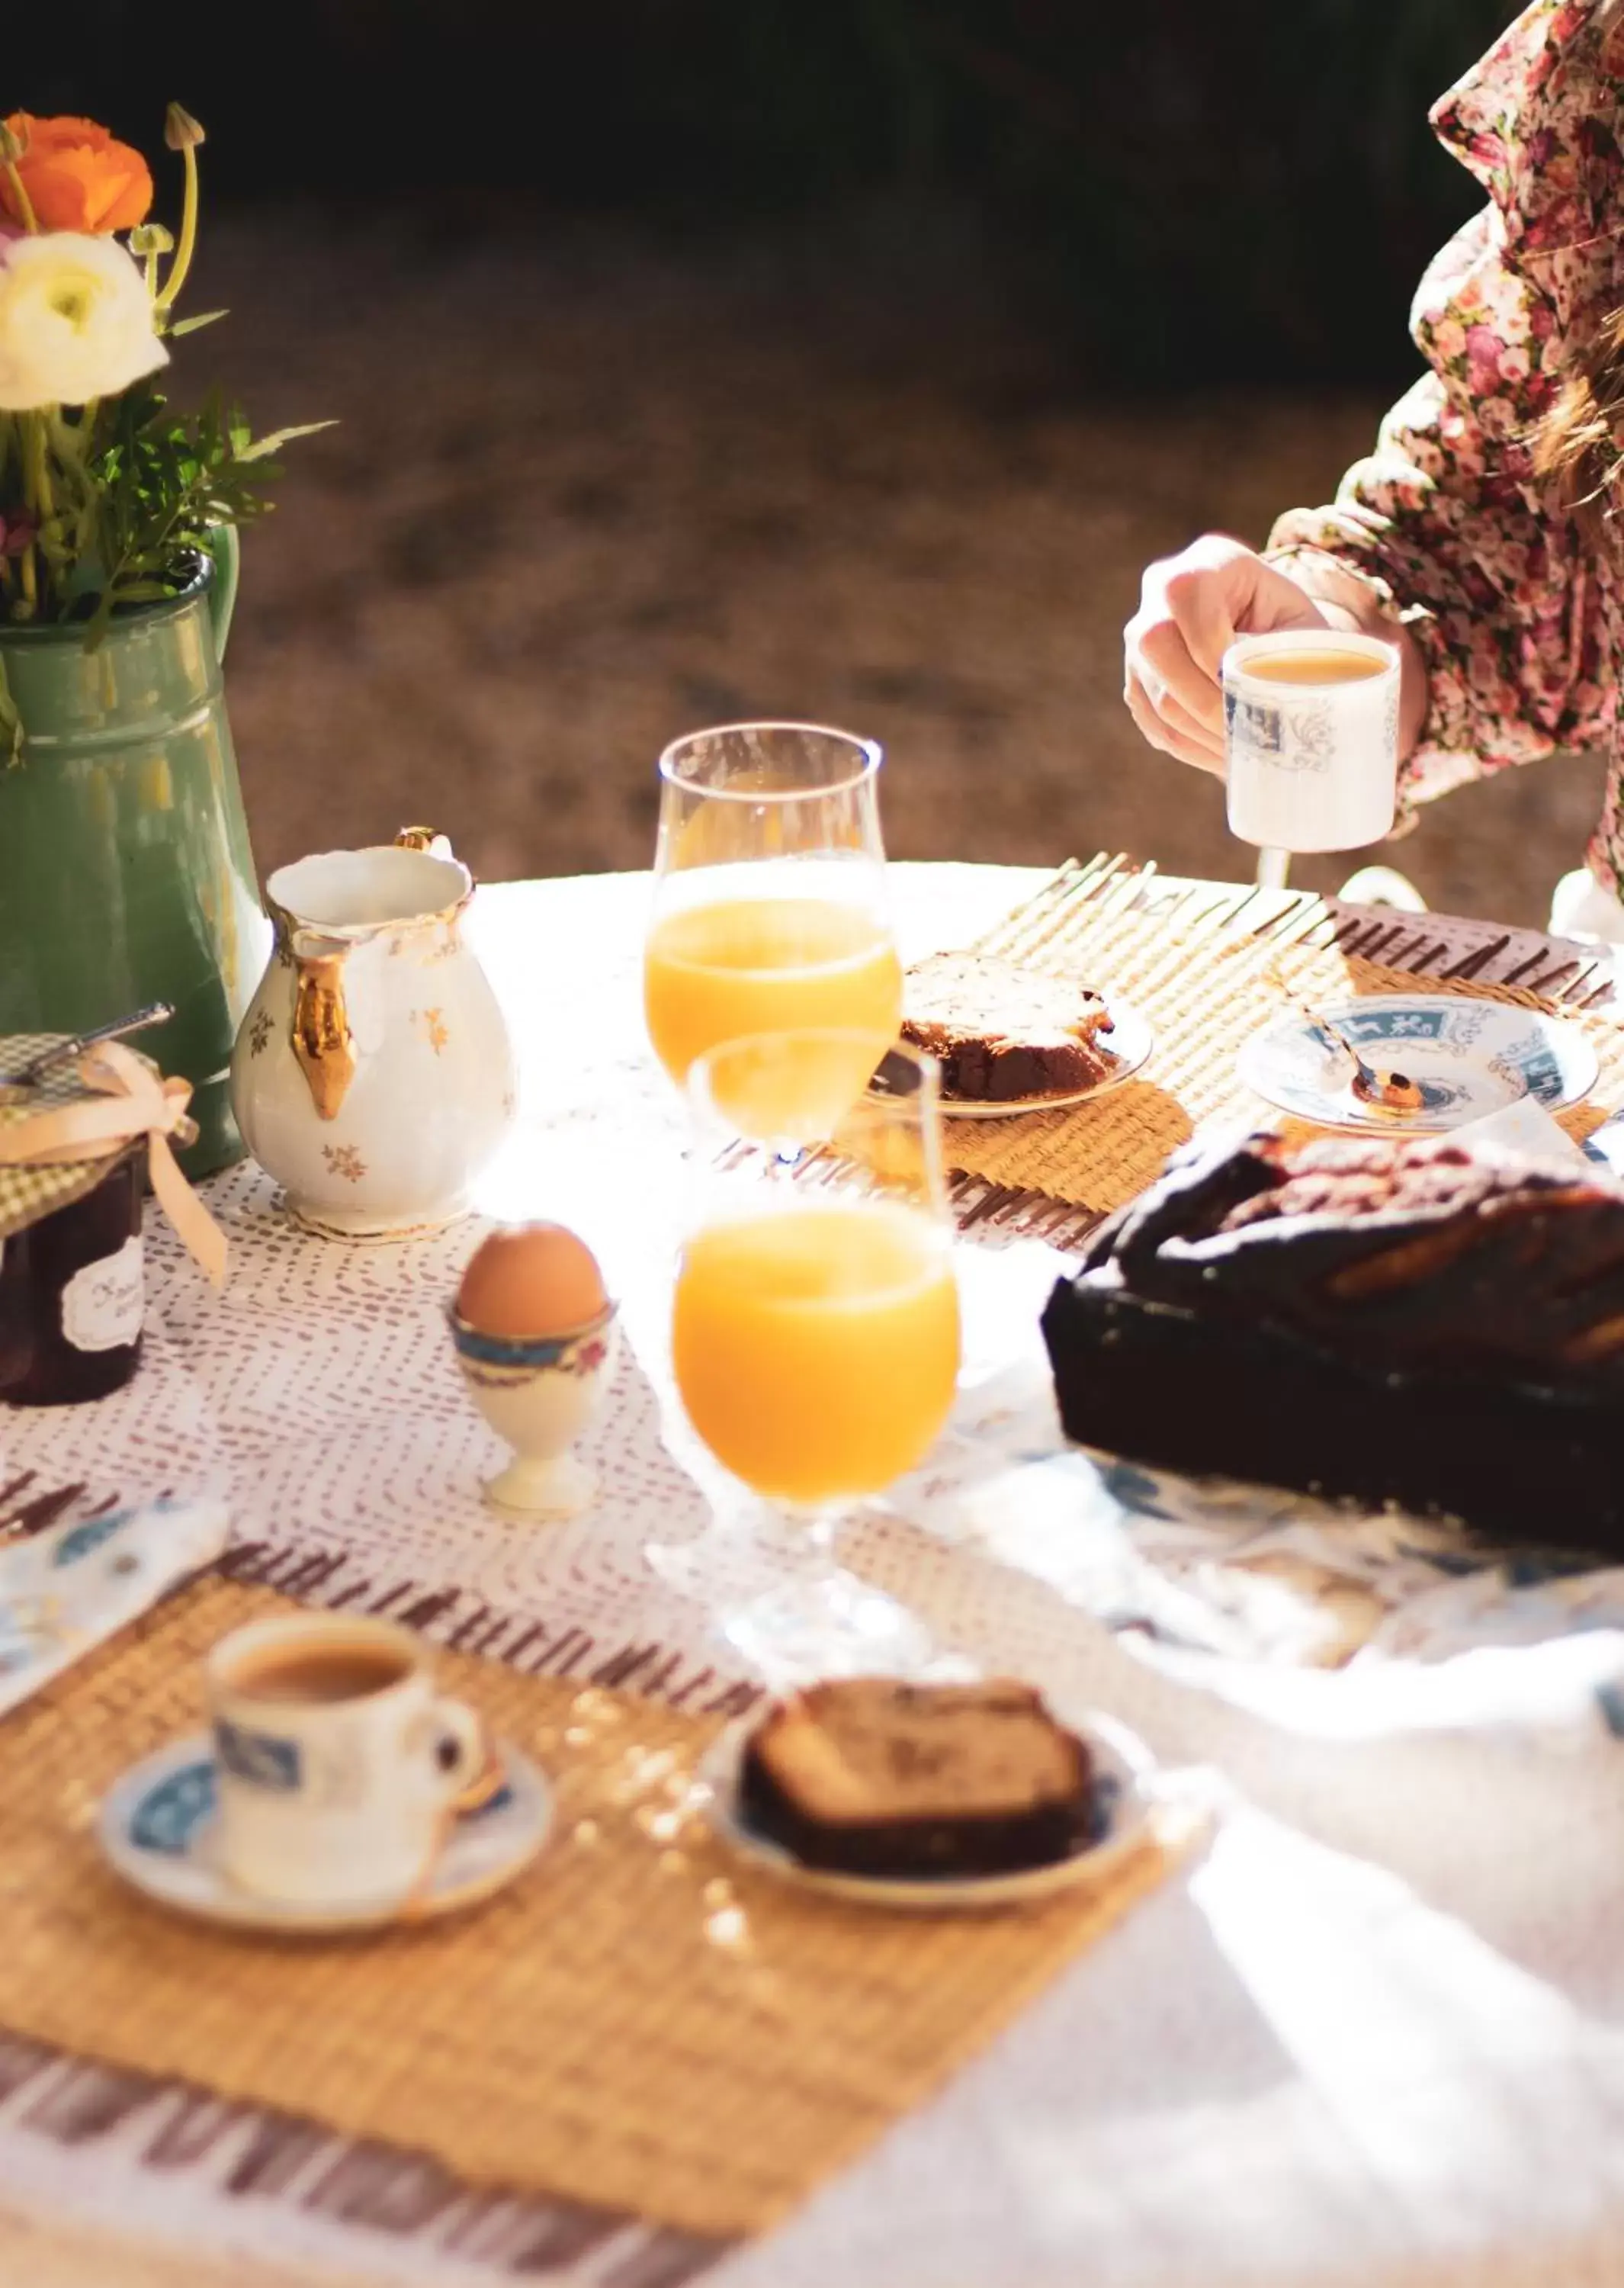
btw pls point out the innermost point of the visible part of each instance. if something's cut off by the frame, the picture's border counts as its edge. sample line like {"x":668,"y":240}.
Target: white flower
{"x":75,"y":320}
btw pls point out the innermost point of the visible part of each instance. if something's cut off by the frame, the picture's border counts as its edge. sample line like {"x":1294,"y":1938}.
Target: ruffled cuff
{"x":1601,"y":860}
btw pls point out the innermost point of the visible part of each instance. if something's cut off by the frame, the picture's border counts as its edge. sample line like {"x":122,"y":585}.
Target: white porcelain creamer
{"x":373,"y":1075}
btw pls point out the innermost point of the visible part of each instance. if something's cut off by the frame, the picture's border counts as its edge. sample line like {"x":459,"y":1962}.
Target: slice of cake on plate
{"x":869,"y":1776}
{"x":1002,"y":1033}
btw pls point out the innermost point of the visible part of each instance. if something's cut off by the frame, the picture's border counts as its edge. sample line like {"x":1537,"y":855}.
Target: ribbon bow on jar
{"x":130,"y":1098}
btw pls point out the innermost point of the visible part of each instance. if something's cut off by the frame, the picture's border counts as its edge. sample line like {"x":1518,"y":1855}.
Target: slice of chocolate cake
{"x":866,"y":1776}
{"x":1001,"y":1032}
{"x":1390,"y":1321}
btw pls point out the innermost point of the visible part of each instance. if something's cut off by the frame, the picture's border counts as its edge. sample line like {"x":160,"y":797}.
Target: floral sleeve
{"x":1516,"y":614}
{"x":1502,"y":601}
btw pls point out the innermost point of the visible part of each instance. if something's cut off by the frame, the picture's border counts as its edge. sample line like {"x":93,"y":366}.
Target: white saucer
{"x":1471,"y":1058}
{"x":1122,"y":1770}
{"x":156,"y":1827}
{"x":1128,"y":1046}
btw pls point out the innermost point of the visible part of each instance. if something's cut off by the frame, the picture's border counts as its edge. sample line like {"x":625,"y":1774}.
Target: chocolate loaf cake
{"x":1386,"y":1320}
{"x":866,"y":1776}
{"x":1001,"y":1032}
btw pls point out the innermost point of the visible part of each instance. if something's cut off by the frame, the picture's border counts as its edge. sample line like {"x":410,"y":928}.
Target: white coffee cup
{"x":1312,"y":765}
{"x":337,"y":1765}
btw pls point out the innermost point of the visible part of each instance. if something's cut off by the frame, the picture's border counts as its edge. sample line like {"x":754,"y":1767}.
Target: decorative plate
{"x":157,"y":1829}
{"x":1469,"y":1058}
{"x":1129,"y":1048}
{"x":1122,"y":1768}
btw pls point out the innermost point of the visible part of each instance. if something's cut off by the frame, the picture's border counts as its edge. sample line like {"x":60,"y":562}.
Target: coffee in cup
{"x":337,"y":1765}
{"x":1310,"y":721}
{"x":1315,"y":666}
{"x":339,"y":1671}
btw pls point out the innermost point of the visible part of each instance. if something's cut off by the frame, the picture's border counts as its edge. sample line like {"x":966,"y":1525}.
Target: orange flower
{"x":76,"y":177}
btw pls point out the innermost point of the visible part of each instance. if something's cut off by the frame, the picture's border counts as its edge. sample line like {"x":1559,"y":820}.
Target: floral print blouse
{"x":1521,"y":622}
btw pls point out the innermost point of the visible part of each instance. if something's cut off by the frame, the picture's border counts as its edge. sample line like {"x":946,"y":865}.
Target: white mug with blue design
{"x":337,"y":1765}
{"x":1310,"y":739}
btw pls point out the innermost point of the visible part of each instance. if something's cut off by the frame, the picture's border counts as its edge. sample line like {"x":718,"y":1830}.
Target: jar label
{"x":102,"y":1302}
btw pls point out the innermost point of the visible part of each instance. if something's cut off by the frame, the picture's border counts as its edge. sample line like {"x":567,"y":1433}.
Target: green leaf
{"x":278,"y":438}
{"x":139,"y":498}
{"x":191,"y":325}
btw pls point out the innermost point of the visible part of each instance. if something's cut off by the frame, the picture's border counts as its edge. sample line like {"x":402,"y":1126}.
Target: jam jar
{"x":72,"y":1293}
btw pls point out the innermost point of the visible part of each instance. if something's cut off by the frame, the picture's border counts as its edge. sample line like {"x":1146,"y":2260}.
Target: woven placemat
{"x":59,"y":2251}
{"x":638,"y":2023}
{"x":1206,"y":995}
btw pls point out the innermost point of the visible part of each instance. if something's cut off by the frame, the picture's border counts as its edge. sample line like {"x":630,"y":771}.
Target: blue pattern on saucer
{"x":1469,"y":1058}
{"x":156,"y":1828}
{"x":168,"y":1819}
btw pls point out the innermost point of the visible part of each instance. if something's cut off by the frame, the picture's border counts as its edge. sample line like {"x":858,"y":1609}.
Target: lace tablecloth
{"x":1377,"y":2036}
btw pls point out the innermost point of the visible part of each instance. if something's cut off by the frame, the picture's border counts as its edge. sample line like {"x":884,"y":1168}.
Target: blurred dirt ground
{"x":588,"y":493}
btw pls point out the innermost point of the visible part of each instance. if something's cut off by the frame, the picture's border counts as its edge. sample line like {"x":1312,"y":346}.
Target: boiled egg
{"x":532,"y":1281}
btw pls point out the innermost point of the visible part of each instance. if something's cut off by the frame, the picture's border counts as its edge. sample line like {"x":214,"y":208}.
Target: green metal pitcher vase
{"x":125,"y":872}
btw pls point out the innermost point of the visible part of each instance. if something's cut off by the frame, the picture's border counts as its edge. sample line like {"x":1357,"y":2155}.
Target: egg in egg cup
{"x":538,"y":1381}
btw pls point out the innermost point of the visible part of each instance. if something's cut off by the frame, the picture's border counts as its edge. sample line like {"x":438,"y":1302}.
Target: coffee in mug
{"x":337,"y":1766}
{"x":1310,"y":721}
{"x":1327,"y":666}
{"x":340,"y":1673}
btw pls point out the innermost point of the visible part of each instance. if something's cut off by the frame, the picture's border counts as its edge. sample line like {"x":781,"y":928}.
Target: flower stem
{"x":187,"y":247}
{"x":41,"y":498}
{"x":25,"y":204}
{"x":37,"y":498}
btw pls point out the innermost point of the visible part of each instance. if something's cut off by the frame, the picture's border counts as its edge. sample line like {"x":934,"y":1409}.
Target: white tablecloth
{"x":1378,"y":2035}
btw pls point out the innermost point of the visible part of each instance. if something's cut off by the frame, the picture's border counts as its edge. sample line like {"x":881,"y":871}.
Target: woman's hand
{"x":1191,"y":607}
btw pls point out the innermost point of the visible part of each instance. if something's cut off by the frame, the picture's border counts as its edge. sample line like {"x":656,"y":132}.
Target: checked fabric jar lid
{"x":59,"y":1134}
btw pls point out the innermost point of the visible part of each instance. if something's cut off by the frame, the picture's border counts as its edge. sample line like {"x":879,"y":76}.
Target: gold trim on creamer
{"x":322,"y":1041}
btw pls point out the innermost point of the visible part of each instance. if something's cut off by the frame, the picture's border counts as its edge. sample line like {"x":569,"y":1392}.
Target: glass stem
{"x":818,"y":1529}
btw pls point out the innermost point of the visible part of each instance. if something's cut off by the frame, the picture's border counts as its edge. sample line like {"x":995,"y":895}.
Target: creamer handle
{"x":322,"y":1041}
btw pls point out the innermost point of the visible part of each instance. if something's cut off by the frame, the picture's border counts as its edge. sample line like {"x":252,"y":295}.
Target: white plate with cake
{"x":931,"y":1798}
{"x":1011,"y":1039}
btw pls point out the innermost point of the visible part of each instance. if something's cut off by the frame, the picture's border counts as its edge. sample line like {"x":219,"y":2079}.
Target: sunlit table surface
{"x":1375,"y":2035}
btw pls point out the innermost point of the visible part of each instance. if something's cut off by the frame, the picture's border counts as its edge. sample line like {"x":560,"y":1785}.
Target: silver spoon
{"x":1384,"y":1092}
{"x":1388,"y":1091}
{"x":154,"y":1012}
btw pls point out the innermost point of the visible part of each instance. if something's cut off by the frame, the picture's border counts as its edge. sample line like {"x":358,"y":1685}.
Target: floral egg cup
{"x":540,"y":1397}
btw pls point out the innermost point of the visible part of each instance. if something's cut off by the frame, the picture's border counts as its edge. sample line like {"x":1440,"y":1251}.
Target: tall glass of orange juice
{"x":815,"y":1330}
{"x":770,"y":910}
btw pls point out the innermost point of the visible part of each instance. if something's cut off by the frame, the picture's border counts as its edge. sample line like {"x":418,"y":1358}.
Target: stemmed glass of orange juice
{"x":770,"y":910}
{"x":815,"y":1332}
